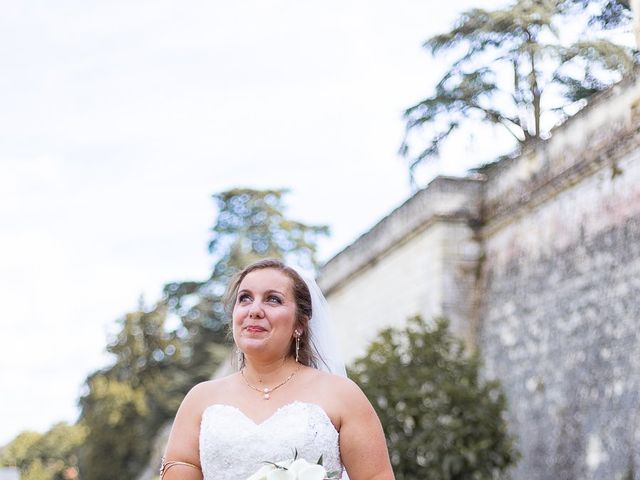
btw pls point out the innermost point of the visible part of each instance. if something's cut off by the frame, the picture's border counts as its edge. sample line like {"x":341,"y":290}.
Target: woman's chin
{"x":254,"y":344}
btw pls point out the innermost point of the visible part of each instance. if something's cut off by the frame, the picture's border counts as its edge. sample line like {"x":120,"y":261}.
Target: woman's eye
{"x":243,"y":298}
{"x":274,"y":299}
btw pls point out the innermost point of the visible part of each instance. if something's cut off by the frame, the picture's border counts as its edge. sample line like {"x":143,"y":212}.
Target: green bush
{"x":441,"y":420}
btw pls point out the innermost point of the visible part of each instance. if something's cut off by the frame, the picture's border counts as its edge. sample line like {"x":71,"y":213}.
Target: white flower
{"x":312,"y":472}
{"x":299,"y":469}
{"x":262,"y":473}
{"x":281,"y":474}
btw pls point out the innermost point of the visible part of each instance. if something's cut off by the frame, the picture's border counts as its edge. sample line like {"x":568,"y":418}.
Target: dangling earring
{"x":239,"y":358}
{"x":297,"y":346}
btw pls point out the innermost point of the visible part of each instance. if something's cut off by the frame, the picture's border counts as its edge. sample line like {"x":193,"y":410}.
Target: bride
{"x":290,"y":397}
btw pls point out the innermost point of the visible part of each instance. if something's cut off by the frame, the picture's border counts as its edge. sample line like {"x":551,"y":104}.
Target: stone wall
{"x":420,"y":260}
{"x":537,"y":264}
{"x":561,"y":317}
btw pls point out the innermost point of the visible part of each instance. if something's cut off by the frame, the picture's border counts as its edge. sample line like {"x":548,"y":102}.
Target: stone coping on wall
{"x":594,"y":138}
{"x":444,"y":199}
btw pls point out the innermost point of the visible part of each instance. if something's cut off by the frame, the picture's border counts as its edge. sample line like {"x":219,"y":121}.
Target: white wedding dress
{"x":232,"y":446}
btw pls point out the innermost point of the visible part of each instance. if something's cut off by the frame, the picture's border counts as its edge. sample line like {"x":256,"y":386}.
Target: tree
{"x":251,"y":224}
{"x":441,"y":421}
{"x":148,"y":355}
{"x":118,"y":442}
{"x":130,"y":400}
{"x":21,"y":450}
{"x":46,"y":456}
{"x":126,"y":403}
{"x":607,"y":14}
{"x":517,"y":69}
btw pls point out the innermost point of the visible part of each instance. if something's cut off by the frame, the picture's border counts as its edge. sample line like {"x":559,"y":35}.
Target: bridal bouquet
{"x":298,"y":469}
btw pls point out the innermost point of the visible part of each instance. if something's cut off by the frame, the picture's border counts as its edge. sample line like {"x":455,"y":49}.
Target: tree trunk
{"x":535,"y":91}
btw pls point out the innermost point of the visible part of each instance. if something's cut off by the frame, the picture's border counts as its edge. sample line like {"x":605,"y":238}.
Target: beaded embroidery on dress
{"x":232,"y":446}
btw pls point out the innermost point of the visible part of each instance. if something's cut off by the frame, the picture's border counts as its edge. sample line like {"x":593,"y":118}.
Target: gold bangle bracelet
{"x":165,"y":466}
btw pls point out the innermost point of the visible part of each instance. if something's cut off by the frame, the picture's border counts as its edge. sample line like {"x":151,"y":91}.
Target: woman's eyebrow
{"x":270,"y":290}
{"x":273,"y":290}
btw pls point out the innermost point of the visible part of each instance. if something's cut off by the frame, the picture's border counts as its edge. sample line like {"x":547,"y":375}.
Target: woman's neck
{"x":269,"y":372}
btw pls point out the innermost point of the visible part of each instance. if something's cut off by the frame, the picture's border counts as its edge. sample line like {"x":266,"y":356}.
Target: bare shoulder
{"x":341,"y":393}
{"x":344,"y":388}
{"x":205,"y":393}
{"x":183,"y":440}
{"x":362,"y":442}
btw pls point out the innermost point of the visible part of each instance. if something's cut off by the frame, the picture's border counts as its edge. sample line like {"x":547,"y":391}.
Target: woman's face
{"x":264,"y":314}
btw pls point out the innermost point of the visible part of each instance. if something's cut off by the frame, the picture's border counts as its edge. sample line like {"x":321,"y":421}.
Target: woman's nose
{"x":255,"y":311}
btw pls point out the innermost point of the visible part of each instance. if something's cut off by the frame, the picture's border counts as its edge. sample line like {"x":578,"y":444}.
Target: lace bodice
{"x":232,"y":446}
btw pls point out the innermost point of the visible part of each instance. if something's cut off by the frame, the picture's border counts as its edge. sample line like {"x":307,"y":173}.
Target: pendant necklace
{"x":266,"y":391}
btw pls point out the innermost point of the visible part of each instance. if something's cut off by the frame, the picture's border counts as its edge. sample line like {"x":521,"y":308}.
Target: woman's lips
{"x":255,"y":329}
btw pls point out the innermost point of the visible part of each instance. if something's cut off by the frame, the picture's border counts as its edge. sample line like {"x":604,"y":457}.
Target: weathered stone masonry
{"x":537,"y":264}
{"x":561,"y":293}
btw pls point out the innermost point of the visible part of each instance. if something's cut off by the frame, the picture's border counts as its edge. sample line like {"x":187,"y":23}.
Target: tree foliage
{"x":606,"y":14}
{"x":126,"y":403}
{"x":159,"y":352}
{"x":251,"y":224}
{"x":521,"y":68}
{"x":441,"y":420}
{"x":46,"y":456}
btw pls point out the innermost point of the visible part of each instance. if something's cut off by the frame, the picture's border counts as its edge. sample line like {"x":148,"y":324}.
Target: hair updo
{"x":301,"y":296}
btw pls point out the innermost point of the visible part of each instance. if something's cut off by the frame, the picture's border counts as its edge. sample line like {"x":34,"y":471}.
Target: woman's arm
{"x":363,"y":447}
{"x":182,"y":456}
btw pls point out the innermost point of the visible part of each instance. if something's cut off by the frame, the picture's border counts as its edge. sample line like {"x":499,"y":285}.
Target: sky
{"x":120,"y":119}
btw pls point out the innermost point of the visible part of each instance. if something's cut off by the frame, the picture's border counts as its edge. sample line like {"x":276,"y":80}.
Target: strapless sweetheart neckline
{"x":233,"y":445}
{"x":276,"y":412}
